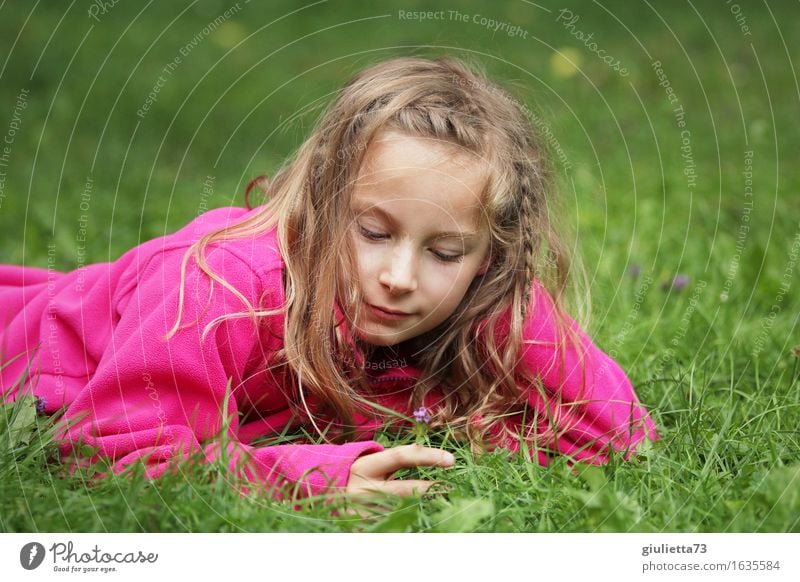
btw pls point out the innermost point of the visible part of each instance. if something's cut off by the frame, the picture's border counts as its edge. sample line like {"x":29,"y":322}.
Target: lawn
{"x":673,"y":130}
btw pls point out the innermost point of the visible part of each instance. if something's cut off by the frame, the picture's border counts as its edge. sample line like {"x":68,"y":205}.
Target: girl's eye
{"x":444,"y":257}
{"x":372,"y":235}
{"x":448,"y":258}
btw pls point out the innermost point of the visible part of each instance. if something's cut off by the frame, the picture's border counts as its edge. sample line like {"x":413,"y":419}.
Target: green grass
{"x":720,"y":467}
{"x":719,"y":376}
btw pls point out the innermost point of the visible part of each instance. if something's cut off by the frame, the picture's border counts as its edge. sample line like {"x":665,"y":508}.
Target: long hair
{"x":474,"y":357}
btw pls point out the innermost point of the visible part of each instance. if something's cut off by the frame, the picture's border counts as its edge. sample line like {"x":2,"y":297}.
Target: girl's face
{"x":418,"y":232}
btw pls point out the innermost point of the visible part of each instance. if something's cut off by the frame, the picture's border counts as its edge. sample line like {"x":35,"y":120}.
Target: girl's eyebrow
{"x":466,"y":236}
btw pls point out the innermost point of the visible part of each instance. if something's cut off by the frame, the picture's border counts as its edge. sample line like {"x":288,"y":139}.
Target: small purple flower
{"x":422,"y":414}
{"x":678,"y":283}
{"x":634,"y":271}
{"x":41,"y":403}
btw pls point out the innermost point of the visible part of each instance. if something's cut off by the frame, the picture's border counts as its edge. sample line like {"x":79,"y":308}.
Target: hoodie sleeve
{"x":155,"y":401}
{"x":598,"y":409}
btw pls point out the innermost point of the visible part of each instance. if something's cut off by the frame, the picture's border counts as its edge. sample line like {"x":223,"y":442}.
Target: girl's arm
{"x":599,"y":411}
{"x":155,"y":401}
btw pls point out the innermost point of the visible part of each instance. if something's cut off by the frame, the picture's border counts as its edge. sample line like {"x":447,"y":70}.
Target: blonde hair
{"x":474,"y":363}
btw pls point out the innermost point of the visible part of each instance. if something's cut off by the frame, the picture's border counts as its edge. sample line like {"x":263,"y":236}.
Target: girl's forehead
{"x":418,"y":180}
{"x":393,"y":154}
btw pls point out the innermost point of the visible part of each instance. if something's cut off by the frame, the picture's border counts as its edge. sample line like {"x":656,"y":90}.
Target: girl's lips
{"x":381,"y":314}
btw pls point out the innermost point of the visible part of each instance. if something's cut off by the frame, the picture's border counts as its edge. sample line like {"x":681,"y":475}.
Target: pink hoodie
{"x":134,"y":397}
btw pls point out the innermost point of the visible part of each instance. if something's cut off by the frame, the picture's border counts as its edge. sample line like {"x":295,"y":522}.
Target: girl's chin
{"x":379,"y":337}
{"x":378,"y":340}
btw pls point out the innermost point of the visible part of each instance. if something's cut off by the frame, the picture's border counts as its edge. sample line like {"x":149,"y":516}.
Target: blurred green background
{"x":247,"y":81}
{"x":239,"y":86}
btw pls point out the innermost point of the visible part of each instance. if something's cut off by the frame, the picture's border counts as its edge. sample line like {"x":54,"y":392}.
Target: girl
{"x":404,"y":260}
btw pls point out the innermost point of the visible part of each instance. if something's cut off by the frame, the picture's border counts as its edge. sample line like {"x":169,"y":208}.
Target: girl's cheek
{"x":451,"y":283}
{"x":439,"y":280}
{"x":368,"y":258}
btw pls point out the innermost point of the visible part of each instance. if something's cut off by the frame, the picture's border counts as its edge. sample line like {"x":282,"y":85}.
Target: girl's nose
{"x":400,"y":275}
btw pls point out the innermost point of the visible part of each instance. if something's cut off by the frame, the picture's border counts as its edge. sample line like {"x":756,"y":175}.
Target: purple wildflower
{"x":634,"y":271}
{"x":680,"y":282}
{"x":422,"y":414}
{"x":41,"y":403}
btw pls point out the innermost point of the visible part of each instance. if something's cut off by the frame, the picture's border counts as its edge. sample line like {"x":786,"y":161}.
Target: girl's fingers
{"x":371,"y":474}
{"x":407,"y":487}
{"x":386,"y":462}
{"x":402,"y":487}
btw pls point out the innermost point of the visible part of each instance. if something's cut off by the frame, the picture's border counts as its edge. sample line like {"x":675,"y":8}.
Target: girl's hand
{"x":373,"y":473}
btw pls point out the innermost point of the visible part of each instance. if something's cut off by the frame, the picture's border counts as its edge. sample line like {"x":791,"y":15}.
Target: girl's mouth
{"x":386,"y":315}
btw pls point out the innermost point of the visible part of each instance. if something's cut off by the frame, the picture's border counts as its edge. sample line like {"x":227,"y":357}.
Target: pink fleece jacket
{"x":93,"y":340}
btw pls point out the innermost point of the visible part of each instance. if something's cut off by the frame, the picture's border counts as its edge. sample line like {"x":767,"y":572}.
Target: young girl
{"x":404,"y":260}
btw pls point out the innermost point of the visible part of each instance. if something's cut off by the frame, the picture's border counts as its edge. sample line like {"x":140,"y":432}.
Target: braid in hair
{"x":527,"y":220}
